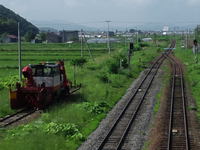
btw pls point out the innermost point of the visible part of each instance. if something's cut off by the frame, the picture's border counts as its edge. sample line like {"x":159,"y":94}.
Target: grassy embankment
{"x":66,"y":125}
{"x":192,"y":74}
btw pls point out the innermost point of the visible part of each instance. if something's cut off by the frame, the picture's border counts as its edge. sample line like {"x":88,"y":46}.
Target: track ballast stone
{"x":139,"y":129}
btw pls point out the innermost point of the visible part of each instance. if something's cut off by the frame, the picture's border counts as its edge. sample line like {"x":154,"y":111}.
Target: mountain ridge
{"x":9,"y":22}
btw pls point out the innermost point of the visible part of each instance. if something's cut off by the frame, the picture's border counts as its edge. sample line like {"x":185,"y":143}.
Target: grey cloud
{"x":99,"y":10}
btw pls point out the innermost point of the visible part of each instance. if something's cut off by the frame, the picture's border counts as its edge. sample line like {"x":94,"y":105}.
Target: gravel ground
{"x":140,"y":129}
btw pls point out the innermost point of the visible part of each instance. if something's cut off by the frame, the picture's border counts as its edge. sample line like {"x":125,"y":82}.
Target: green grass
{"x":53,"y":46}
{"x":84,"y":110}
{"x":5,"y":106}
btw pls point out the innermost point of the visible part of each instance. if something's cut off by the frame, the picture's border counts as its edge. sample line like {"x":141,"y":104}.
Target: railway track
{"x":11,"y":119}
{"x":18,"y":116}
{"x":177,"y":135}
{"x":116,"y":138}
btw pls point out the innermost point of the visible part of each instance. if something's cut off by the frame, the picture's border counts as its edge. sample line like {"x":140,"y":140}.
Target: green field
{"x":36,"y":53}
{"x":67,"y":125}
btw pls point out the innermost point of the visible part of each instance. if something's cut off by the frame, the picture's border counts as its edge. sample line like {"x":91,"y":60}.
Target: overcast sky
{"x":119,"y":11}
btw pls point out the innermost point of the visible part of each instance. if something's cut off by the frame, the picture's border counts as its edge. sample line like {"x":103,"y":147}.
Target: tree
{"x":43,"y":36}
{"x":29,"y":36}
{"x":9,"y":23}
{"x":2,"y":36}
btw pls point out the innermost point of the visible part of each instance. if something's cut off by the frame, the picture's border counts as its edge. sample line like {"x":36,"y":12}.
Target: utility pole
{"x":108,"y":38}
{"x":137,"y":35}
{"x":186,"y":41}
{"x":125,"y":40}
{"x":81,"y":42}
{"x":19,"y":54}
{"x":89,"y":50}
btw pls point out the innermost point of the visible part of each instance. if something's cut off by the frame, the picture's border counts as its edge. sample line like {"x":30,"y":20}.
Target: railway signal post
{"x":130,"y":51}
{"x":195,"y":50}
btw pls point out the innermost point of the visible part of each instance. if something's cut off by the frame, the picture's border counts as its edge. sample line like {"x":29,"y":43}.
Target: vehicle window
{"x":33,"y":71}
{"x":55,"y":71}
{"x":39,"y":72}
{"x":48,"y":71}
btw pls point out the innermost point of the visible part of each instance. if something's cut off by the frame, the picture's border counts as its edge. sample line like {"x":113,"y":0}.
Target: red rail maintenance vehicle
{"x":44,"y":83}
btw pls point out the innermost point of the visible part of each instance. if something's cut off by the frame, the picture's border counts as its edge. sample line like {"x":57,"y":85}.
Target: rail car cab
{"x":47,"y":75}
{"x":43,"y":82}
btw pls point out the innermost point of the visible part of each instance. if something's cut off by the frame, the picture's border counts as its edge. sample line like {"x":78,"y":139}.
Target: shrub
{"x":143,"y":44}
{"x":103,"y":76}
{"x":124,"y":63}
{"x":114,"y":67}
{"x":137,"y":47}
{"x":79,"y":61}
{"x":67,"y":130}
{"x":96,"y":108}
{"x":9,"y":81}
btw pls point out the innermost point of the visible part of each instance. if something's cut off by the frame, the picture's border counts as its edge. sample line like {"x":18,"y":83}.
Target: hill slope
{"x":9,"y":20}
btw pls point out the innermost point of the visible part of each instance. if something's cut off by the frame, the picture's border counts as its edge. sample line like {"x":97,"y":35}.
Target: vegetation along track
{"x":16,"y":117}
{"x":177,"y":130}
{"x":116,"y":137}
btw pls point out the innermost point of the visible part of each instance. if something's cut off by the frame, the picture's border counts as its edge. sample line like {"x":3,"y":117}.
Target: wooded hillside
{"x":9,"y":20}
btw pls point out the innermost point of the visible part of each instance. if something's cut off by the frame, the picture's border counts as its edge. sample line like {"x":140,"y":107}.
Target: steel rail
{"x":137,"y":109}
{"x":187,"y":145}
{"x":184,"y":111}
{"x":125,"y":108}
{"x":9,"y":116}
{"x":129,"y":102}
{"x":171,"y":108}
{"x":4,"y":124}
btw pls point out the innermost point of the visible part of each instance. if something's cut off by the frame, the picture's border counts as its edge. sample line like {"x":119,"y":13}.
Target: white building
{"x":165,"y":30}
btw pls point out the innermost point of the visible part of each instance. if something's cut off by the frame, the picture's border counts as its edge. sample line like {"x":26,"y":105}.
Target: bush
{"x":9,"y":81}
{"x":103,"y":76}
{"x":143,"y":44}
{"x":67,"y":130}
{"x":113,"y":67}
{"x":124,"y":63}
{"x":79,"y":61}
{"x":159,"y":50}
{"x":96,"y":108}
{"x":137,"y":47}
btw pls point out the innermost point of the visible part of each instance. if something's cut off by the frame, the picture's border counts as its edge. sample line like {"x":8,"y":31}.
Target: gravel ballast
{"x":139,"y":130}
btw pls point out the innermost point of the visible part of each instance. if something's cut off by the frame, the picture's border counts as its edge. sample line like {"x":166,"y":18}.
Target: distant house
{"x":53,"y":37}
{"x":69,"y":36}
{"x":9,"y":39}
{"x":111,"y":33}
{"x":102,"y":40}
{"x":147,"y":39}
